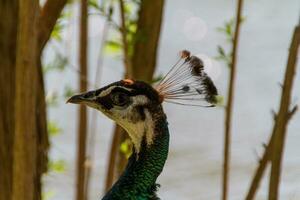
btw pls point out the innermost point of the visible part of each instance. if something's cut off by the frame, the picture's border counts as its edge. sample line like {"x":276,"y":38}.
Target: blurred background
{"x":194,"y":166}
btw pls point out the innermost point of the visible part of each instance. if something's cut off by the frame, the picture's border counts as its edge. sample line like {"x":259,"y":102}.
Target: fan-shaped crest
{"x":187,"y":83}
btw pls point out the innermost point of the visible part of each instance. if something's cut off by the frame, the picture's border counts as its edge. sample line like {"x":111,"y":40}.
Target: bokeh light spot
{"x":194,"y":28}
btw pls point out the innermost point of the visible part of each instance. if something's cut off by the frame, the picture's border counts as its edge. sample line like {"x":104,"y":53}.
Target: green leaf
{"x":56,"y":32}
{"x":126,"y":148}
{"x":221,"y":51}
{"x":132,"y":26}
{"x":48,"y":195}
{"x":113,"y":47}
{"x":53,"y":129}
{"x":94,"y":4}
{"x":128,"y":8}
{"x":228,"y":29}
{"x":58,"y":166}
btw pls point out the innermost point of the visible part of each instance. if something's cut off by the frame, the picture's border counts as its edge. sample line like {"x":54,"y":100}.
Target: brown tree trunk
{"x":8,"y":35}
{"x":140,"y":67}
{"x":145,"y":48}
{"x":22,"y":96}
{"x":49,"y":14}
{"x":25,"y":137}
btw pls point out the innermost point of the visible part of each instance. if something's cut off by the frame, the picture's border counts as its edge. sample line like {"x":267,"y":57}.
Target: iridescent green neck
{"x":138,"y":179}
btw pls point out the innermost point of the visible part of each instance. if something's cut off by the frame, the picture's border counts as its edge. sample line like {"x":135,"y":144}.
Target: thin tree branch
{"x":123,"y":29}
{"x":283,"y":116}
{"x":229,"y":107}
{"x":264,"y":162}
{"x":49,"y":14}
{"x":261,"y":167}
{"x":82,"y":122}
{"x":93,"y":126}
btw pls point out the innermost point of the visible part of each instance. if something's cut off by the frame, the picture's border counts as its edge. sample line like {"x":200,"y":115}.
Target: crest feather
{"x":187,"y":83}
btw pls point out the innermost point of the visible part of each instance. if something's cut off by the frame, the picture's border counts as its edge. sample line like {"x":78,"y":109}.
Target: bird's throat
{"x":143,"y":167}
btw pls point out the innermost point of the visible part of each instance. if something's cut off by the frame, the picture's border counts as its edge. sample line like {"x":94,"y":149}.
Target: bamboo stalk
{"x":229,"y":107}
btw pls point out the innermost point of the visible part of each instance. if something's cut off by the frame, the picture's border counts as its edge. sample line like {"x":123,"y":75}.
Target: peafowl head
{"x":136,"y":105}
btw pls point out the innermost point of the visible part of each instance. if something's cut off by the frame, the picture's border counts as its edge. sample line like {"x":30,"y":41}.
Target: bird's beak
{"x":84,"y":98}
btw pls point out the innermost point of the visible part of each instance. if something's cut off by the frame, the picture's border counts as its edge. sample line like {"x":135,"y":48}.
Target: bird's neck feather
{"x":144,"y":167}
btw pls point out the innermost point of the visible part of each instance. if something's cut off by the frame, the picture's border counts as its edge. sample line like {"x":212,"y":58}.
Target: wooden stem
{"x":283,"y":117}
{"x":82,"y":123}
{"x":127,"y":58}
{"x":229,"y":107}
{"x":49,"y":14}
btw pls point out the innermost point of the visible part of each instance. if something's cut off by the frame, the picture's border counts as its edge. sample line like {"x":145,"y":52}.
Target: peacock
{"x":137,"y":107}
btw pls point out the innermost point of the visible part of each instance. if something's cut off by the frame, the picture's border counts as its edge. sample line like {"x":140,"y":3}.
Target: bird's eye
{"x":119,"y":98}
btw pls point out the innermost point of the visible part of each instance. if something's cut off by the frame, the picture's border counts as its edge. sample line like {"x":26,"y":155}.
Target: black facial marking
{"x":141,"y":111}
{"x":119,"y":98}
{"x":140,"y":88}
{"x":137,"y":88}
{"x":90,"y":94}
{"x":105,"y":102}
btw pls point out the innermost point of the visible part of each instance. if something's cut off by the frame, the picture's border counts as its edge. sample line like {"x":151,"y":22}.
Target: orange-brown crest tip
{"x":161,"y":98}
{"x":185,"y":54}
{"x":128,"y":81}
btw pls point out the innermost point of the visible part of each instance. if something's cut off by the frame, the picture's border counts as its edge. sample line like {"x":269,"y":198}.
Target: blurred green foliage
{"x":48,"y":195}
{"x":59,"y":63}
{"x":58,"y":166}
{"x":126,"y":148}
{"x":228,"y":31}
{"x":53,"y":128}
